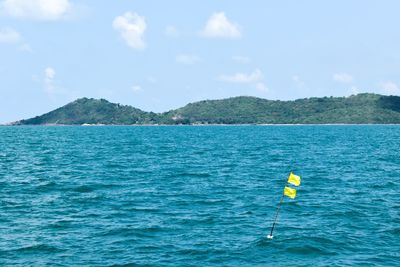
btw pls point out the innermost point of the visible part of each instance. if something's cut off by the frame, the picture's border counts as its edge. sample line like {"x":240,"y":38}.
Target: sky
{"x":161,"y":55}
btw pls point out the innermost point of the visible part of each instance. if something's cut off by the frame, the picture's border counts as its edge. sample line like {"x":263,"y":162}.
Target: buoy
{"x":289,"y":192}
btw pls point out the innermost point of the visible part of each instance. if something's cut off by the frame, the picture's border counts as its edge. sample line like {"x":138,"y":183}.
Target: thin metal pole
{"x":276,"y":214}
{"x":277,"y":210}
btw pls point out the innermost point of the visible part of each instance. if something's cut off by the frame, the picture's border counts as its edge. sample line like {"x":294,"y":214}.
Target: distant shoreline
{"x":201,"y":125}
{"x":361,"y":109}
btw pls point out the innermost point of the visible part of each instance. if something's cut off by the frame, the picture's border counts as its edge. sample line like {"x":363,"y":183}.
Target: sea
{"x":199,"y":195}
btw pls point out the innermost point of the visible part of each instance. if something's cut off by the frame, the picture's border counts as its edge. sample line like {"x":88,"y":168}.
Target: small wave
{"x":129,"y":231}
{"x":61,"y":224}
{"x":393,"y":231}
{"x":192,"y":174}
{"x":309,"y":250}
{"x":47,"y":186}
{"x":263,"y":242}
{"x":389,"y":184}
{"x":124,"y":265}
{"x":346,"y":214}
{"x":84,"y":189}
{"x":193,"y":252}
{"x":209,"y":201}
{"x":198,"y":221}
{"x":142,"y":209}
{"x":309,"y":245}
{"x":38,"y":249}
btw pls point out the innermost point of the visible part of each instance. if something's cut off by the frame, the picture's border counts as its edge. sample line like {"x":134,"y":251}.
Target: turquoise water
{"x":199,"y":196}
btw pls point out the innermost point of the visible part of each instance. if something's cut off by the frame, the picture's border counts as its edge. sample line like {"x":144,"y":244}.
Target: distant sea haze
{"x":358,"y":109}
{"x":184,"y":196}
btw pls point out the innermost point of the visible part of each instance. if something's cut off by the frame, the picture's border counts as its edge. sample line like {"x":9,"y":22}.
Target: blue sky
{"x":159,"y":55}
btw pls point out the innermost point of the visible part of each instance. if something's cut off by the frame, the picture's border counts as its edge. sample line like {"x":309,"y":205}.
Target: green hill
{"x":92,"y":111}
{"x":362,"y":108}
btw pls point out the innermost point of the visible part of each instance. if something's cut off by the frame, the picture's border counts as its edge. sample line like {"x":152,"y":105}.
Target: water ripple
{"x":190,"y":196}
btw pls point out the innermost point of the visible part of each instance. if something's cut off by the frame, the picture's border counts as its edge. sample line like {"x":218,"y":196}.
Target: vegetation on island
{"x":355,"y":109}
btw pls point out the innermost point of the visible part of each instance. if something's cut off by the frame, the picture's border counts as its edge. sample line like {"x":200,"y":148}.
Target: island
{"x":363,"y":108}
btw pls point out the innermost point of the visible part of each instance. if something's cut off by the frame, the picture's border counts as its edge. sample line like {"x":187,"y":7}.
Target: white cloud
{"x":343,"y":77}
{"x":25,"y":48}
{"x":354,"y":90}
{"x":37,"y":9}
{"x":171,"y":31}
{"x":49,"y":75}
{"x":298,"y":81}
{"x":9,"y":36}
{"x":151,"y":79}
{"x":390,"y":88}
{"x":136,"y":88}
{"x":255,"y":76}
{"x":241,"y":59}
{"x":218,"y":26}
{"x":131,"y":26}
{"x":261,"y":87}
{"x":186,"y":59}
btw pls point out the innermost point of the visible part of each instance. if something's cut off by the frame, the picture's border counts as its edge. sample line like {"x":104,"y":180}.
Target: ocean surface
{"x":199,"y":196}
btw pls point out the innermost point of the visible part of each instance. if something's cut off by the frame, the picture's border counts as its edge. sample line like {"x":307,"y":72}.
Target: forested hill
{"x":358,"y":109}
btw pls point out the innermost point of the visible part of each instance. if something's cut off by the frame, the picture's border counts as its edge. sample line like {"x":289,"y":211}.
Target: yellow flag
{"x":290,"y":192}
{"x":294,"y":179}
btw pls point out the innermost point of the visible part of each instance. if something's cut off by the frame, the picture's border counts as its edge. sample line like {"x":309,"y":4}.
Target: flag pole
{"x":270,"y":236}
